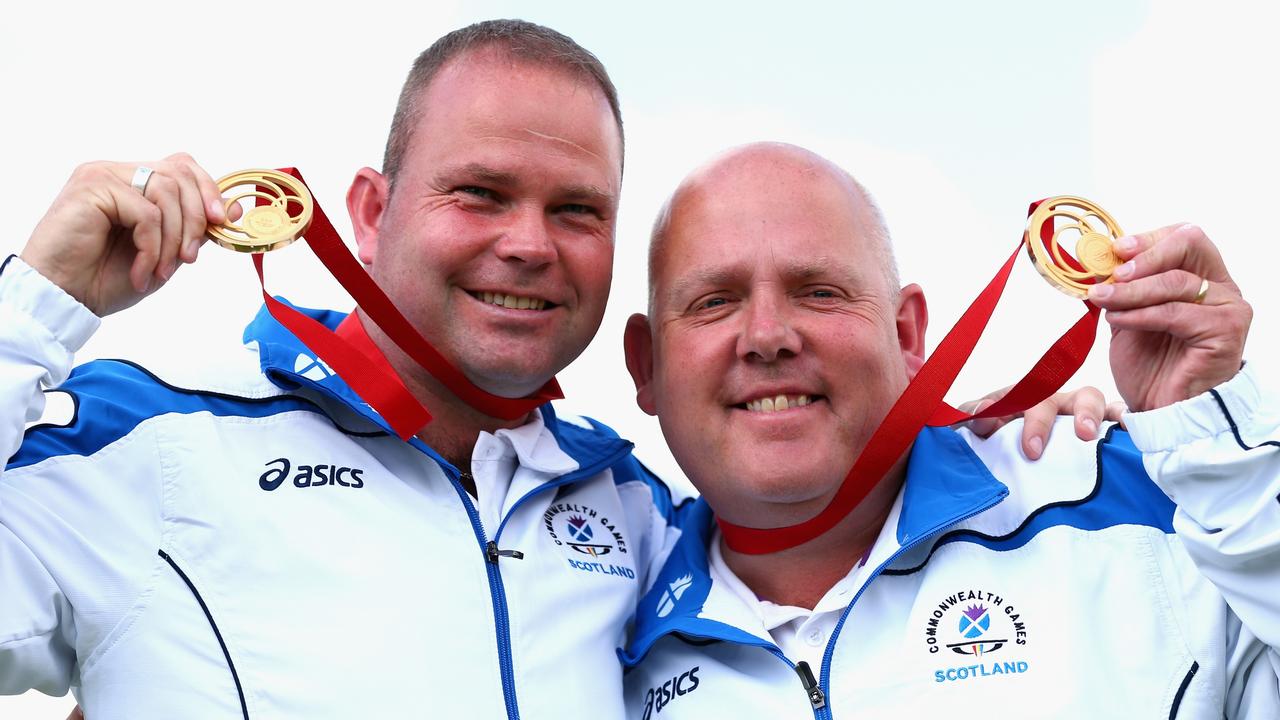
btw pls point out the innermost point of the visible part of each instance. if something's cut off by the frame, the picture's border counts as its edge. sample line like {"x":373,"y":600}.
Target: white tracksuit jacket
{"x":254,"y":543}
{"x":1071,"y":587}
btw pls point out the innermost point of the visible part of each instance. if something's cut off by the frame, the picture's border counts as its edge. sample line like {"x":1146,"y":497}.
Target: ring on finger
{"x":1204,"y":290}
{"x":141,"y":177}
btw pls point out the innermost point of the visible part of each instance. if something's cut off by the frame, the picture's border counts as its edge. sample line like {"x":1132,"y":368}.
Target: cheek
{"x":590,"y":265}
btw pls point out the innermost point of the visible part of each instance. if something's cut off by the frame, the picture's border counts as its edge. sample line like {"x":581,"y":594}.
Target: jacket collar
{"x":946,"y":483}
{"x":290,"y":365}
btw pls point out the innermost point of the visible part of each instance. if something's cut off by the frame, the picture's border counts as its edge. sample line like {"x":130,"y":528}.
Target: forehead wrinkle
{"x":565,"y":141}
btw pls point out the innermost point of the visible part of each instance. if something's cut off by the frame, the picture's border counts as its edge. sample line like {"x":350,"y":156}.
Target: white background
{"x":955,"y":115}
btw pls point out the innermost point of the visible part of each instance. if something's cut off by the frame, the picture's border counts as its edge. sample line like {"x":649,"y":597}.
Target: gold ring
{"x":1204,"y":290}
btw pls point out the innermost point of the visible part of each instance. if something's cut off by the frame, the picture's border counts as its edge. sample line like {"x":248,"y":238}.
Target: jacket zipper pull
{"x":817,"y":698}
{"x":492,"y":553}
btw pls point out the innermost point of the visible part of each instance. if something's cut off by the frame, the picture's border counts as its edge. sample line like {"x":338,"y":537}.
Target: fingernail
{"x":1101,"y":292}
{"x":1126,"y":243}
{"x":1089,"y":425}
{"x":1037,"y":446}
{"x":1124,"y":271}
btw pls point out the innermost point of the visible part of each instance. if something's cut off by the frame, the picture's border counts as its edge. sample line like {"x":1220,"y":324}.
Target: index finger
{"x":209,"y":194}
{"x":1176,"y":247}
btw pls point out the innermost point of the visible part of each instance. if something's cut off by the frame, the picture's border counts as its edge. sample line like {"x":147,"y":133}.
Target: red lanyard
{"x":922,"y":404}
{"x":372,"y":378}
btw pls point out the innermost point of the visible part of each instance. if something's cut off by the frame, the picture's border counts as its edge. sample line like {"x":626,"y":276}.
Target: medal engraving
{"x":282,"y":215}
{"x":1060,"y":219}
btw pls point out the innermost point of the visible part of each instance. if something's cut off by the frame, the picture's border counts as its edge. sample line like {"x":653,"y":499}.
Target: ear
{"x":912,"y":320}
{"x":366,"y":202}
{"x":637,"y":343}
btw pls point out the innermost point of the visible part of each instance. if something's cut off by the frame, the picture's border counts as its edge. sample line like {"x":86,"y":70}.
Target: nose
{"x":527,"y":240}
{"x":768,"y":334}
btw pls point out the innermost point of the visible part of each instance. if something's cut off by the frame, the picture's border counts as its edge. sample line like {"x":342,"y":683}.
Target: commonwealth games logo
{"x":580,"y":533}
{"x":975,"y":621}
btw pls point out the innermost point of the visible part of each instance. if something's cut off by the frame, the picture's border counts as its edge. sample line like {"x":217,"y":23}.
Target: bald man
{"x":1133,"y":576}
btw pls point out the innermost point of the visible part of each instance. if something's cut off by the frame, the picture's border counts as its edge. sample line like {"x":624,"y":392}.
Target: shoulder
{"x":110,"y":399}
{"x":1089,"y":486}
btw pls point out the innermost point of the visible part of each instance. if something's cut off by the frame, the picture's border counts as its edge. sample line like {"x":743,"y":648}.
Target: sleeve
{"x":36,"y":636}
{"x":1217,"y":456}
{"x":41,"y":327}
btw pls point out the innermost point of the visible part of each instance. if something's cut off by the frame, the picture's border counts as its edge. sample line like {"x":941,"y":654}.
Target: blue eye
{"x":477,"y":191}
{"x":713,"y":303}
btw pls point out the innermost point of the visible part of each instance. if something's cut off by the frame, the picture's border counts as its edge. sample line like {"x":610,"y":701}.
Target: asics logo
{"x":279,"y":470}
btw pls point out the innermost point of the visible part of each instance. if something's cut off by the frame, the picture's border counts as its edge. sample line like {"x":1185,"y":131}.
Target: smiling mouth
{"x":512,"y":302}
{"x":778,"y":403}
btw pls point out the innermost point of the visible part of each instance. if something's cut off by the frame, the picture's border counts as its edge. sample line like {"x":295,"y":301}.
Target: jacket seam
{"x":1182,"y":690}
{"x":213,"y":625}
{"x":283,"y":396}
{"x":953,"y":535}
{"x":1235,"y":429}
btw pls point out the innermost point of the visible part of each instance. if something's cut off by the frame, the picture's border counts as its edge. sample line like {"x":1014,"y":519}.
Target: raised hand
{"x":1178,"y":321}
{"x":108,"y":244}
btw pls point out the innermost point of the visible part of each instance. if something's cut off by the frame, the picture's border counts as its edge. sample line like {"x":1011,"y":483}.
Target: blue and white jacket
{"x":253,"y":542}
{"x":1072,"y":587}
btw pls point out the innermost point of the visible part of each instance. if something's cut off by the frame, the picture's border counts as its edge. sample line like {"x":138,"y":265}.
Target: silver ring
{"x":141,"y":177}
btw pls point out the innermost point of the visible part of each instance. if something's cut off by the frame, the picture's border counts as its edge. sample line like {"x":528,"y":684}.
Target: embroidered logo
{"x":584,"y":531}
{"x":657,"y":697}
{"x":310,"y":475}
{"x":672,"y":594}
{"x":973,"y":624}
{"x":311,"y":368}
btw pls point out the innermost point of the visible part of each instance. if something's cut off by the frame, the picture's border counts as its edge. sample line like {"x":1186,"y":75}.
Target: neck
{"x":802,"y":575}
{"x":454,"y":424}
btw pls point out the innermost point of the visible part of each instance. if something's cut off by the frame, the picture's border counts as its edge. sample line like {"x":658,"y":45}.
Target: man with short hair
{"x":253,"y":540}
{"x":968,"y":582}
{"x":249,"y":537}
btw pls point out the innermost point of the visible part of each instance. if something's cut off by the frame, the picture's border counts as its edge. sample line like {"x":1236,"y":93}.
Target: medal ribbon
{"x":371,"y":378}
{"x":922,"y":404}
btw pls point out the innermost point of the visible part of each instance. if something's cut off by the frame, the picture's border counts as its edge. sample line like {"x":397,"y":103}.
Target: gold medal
{"x":1094,"y":230}
{"x":284,"y":218}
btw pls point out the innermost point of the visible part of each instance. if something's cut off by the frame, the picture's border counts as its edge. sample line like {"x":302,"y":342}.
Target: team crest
{"x":973,"y":624}
{"x":593,"y":541}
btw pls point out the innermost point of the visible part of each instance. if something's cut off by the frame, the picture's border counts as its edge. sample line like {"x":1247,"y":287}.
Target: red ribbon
{"x":922,"y":404}
{"x":372,"y":378}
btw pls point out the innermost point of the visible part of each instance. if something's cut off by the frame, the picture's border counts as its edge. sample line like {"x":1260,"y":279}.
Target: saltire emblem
{"x":580,"y":534}
{"x":975,"y":621}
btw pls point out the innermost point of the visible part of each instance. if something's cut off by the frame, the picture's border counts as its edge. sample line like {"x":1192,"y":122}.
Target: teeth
{"x":781,"y":402}
{"x":515,"y":302}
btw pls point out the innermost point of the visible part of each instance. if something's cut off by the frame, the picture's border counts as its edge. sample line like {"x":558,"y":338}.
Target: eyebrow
{"x":587,"y":194}
{"x":793,"y":270}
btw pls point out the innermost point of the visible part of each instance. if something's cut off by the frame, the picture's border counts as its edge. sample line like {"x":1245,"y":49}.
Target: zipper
{"x":501,"y":617}
{"x":823,"y":712}
{"x":817,"y":698}
{"x":491,"y":552}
